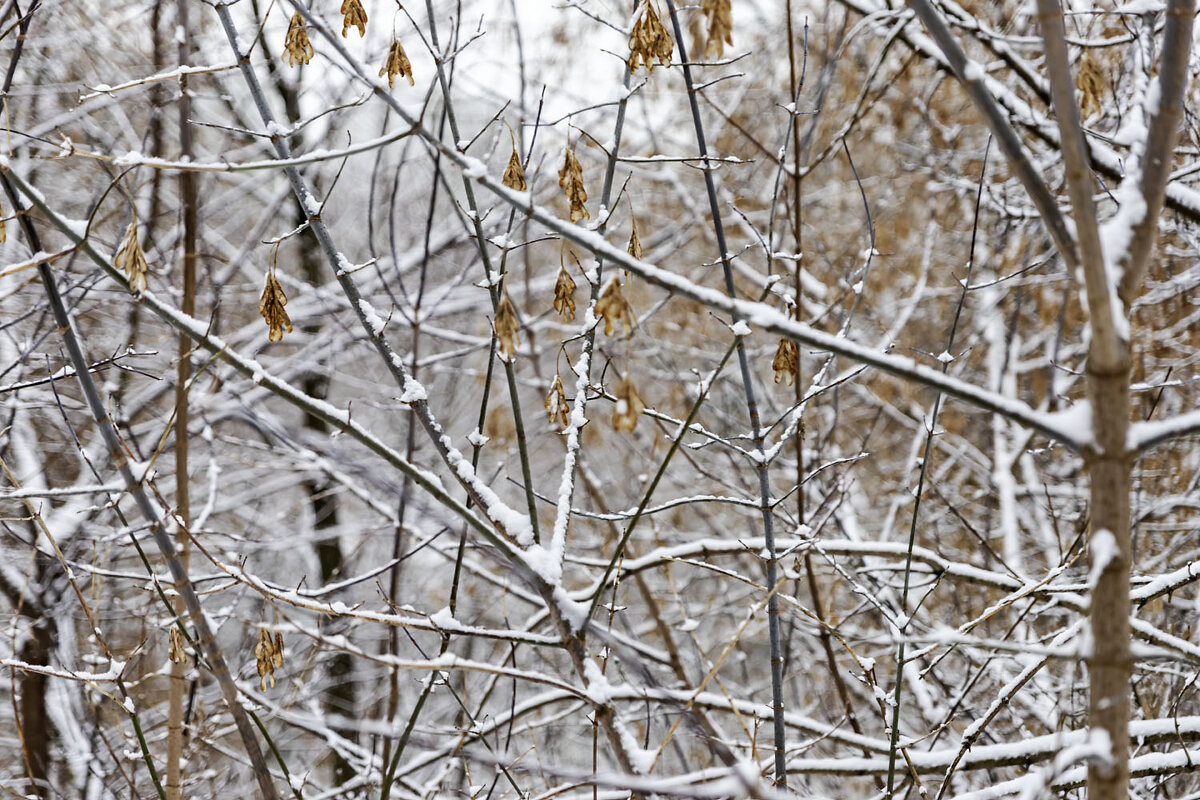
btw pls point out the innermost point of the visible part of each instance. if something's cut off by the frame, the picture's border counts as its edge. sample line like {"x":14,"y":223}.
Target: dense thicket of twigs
{"x":491,"y":488}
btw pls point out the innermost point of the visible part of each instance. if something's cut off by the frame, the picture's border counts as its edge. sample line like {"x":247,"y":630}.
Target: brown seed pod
{"x":649,"y":40}
{"x":176,"y":651}
{"x":570,"y":178}
{"x":514,"y":174}
{"x":556,"y":403}
{"x":720,"y":27}
{"x":507,"y":327}
{"x":635,"y":244}
{"x":271,"y":304}
{"x":397,"y":64}
{"x":628,"y":408}
{"x":130,"y":259}
{"x":1090,"y":83}
{"x":564,"y":294}
{"x":266,"y":659}
{"x":3,"y":232}
{"x":353,"y":15}
{"x":786,"y":362}
{"x":615,"y":309}
{"x":296,"y":47}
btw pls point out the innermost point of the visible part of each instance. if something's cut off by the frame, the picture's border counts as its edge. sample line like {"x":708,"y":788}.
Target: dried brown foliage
{"x":296,"y":47}
{"x":570,"y":178}
{"x":507,"y":327}
{"x":353,"y":15}
{"x":1090,"y":83}
{"x":397,"y":64}
{"x":130,"y":259}
{"x":615,"y":310}
{"x":270,"y":306}
{"x":786,"y":362}
{"x":268,"y":657}
{"x":628,"y":409}
{"x":556,"y":403}
{"x":720,"y":27}
{"x":564,"y":294}
{"x":514,"y":174}
{"x":649,"y":40}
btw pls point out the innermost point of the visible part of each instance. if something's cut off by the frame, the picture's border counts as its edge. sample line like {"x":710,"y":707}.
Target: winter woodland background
{"x":453,"y":528}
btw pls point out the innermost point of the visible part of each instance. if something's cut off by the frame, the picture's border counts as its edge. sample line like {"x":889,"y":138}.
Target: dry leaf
{"x":615,"y":309}
{"x":556,"y":403}
{"x":635,"y":244}
{"x":176,"y":651}
{"x":786,"y":362}
{"x":296,"y":47}
{"x":629,"y":407}
{"x":271,"y":304}
{"x":507,"y":327}
{"x":720,"y":27}
{"x":354,"y":14}
{"x":268,"y":656}
{"x":397,"y":64}
{"x":514,"y":174}
{"x":1090,"y":84}
{"x":3,"y":232}
{"x":570,"y":178}
{"x":564,"y":294}
{"x":130,"y":259}
{"x":649,"y":40}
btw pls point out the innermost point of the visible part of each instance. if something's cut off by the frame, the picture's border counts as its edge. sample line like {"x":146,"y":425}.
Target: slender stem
{"x":761,"y":465}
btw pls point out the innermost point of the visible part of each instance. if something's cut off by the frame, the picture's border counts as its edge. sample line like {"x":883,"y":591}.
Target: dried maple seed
{"x":271,"y":304}
{"x":1090,"y":84}
{"x":296,"y":47}
{"x":720,"y":27}
{"x":277,"y":658}
{"x":353,"y":15}
{"x":629,"y":407}
{"x":786,"y":362}
{"x":514,"y":174}
{"x":176,"y":651}
{"x":649,"y":40}
{"x":556,"y":403}
{"x":570,"y":178}
{"x":507,"y":327}
{"x":615,"y":309}
{"x":397,"y":64}
{"x":564,"y":294}
{"x":130,"y":259}
{"x":635,"y":244}
{"x":267,"y":658}
{"x":3,"y":232}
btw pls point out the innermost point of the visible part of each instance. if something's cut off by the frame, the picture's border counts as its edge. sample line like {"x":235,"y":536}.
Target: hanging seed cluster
{"x":786,"y":362}
{"x":514,"y":173}
{"x":176,"y":651}
{"x":1090,"y":83}
{"x":296,"y":47}
{"x":564,"y":294}
{"x":397,"y":64}
{"x":628,"y":409}
{"x":130,"y":259}
{"x":649,"y":40}
{"x":271,"y":304}
{"x":507,"y":327}
{"x":556,"y":403}
{"x":353,"y":15}
{"x":615,"y":310}
{"x":570,"y":178}
{"x":268,"y":657}
{"x":719,"y":17}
